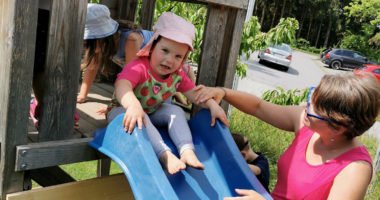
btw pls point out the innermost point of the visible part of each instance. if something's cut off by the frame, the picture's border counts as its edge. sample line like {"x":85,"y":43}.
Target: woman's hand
{"x":134,"y":114}
{"x":203,"y":93}
{"x":246,"y":195}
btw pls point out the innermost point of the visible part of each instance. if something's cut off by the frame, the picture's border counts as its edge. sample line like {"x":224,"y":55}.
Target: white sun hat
{"x":99,"y":23}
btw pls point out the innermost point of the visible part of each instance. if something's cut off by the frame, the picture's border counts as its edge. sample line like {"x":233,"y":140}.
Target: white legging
{"x":168,"y":115}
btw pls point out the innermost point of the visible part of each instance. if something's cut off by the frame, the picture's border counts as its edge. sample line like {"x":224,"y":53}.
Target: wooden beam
{"x":47,"y":154}
{"x":220,"y":47}
{"x":61,"y":73}
{"x":113,"y":187}
{"x":18,"y":23}
{"x":230,"y":53}
{"x":241,"y":4}
{"x":113,"y":6}
{"x":147,"y":13}
{"x":127,"y":9}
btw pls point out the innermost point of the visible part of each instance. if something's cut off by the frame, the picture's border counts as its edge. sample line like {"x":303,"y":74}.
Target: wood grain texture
{"x":18,"y":23}
{"x":52,"y":153}
{"x":127,"y":9}
{"x":241,"y":4}
{"x":113,"y":187}
{"x":147,"y":13}
{"x":61,"y":75}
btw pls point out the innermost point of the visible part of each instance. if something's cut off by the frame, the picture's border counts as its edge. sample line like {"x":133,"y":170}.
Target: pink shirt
{"x":137,"y":73}
{"x":299,"y":180}
{"x":150,"y":89}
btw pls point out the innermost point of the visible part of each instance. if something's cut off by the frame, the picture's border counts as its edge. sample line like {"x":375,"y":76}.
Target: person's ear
{"x":243,"y":153}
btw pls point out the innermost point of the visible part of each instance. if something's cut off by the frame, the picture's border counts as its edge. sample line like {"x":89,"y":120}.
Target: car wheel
{"x":336,"y":64}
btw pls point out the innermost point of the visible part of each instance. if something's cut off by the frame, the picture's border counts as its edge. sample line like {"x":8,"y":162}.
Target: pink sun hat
{"x":173,"y":27}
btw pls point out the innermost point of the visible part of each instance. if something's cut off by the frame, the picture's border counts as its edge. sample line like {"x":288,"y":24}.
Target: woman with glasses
{"x":325,"y":160}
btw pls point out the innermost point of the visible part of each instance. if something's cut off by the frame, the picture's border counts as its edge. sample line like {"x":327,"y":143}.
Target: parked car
{"x":344,"y":58}
{"x":280,"y":54}
{"x":325,"y":51}
{"x":371,"y":68}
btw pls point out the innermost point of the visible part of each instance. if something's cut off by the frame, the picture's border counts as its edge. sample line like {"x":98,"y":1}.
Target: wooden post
{"x":147,"y":13}
{"x":18,"y":23}
{"x":127,"y":9}
{"x":220,"y":48}
{"x":61,"y":75}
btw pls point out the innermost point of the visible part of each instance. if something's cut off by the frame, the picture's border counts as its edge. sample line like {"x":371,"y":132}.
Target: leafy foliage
{"x":285,"y":97}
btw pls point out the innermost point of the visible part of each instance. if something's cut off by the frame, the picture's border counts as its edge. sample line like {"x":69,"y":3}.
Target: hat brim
{"x":145,"y":51}
{"x":100,"y":31}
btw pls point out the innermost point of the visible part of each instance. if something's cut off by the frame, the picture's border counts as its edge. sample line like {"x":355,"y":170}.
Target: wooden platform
{"x":99,"y":97}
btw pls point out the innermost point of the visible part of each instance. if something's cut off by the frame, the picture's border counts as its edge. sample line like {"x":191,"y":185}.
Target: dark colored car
{"x":371,"y":68}
{"x":344,"y":58}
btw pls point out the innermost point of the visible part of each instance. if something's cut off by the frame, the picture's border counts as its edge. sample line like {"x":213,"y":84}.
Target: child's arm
{"x":255,"y":169}
{"x":126,"y":97}
{"x":215,"y":109}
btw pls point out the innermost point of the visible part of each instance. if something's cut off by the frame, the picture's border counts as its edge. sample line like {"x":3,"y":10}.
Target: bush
{"x":285,"y":97}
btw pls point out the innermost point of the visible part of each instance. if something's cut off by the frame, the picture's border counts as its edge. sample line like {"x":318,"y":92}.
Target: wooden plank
{"x":113,"y":187}
{"x":47,"y":154}
{"x":127,"y":9}
{"x":18,"y":22}
{"x":241,"y":4}
{"x":147,"y":13}
{"x":212,"y":45}
{"x":230,"y":49}
{"x":113,"y":6}
{"x":61,"y":73}
{"x":220,"y":47}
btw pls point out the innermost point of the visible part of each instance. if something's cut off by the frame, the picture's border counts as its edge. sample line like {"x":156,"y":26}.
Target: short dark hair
{"x":241,"y":141}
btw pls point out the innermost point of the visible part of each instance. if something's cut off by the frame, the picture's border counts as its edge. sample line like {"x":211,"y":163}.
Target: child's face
{"x":167,"y":56}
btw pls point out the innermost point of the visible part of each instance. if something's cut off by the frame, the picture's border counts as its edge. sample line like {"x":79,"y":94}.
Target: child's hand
{"x":203,"y":93}
{"x":217,"y":112}
{"x":134,"y":114}
{"x":245,"y":194}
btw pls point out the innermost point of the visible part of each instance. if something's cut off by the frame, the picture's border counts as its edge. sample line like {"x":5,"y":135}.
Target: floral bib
{"x":152,"y":93}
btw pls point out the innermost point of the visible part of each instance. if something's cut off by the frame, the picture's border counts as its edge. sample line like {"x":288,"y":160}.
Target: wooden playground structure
{"x":27,"y":156}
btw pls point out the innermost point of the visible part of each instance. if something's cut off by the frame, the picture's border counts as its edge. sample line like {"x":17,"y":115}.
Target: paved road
{"x":305,"y":71}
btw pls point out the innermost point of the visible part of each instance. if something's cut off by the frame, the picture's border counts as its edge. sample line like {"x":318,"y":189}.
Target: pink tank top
{"x":299,"y":180}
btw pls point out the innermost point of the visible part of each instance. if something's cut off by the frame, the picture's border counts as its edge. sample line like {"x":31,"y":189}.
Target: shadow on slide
{"x":225,"y":168}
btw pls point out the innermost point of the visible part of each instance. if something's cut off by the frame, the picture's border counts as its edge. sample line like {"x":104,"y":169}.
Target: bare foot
{"x":188,"y":156}
{"x":171,"y":162}
{"x":81,"y":99}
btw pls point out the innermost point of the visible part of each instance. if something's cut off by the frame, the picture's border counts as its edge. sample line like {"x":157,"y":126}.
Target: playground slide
{"x":225,"y":168}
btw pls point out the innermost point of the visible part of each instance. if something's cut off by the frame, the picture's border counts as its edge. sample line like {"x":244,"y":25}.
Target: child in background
{"x":257,"y":162}
{"x":145,"y":83}
{"x":104,"y":41}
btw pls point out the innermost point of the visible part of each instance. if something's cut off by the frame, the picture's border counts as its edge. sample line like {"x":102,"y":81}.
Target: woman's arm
{"x":287,"y":118}
{"x":126,"y":97}
{"x":215,"y":109}
{"x":352,"y":182}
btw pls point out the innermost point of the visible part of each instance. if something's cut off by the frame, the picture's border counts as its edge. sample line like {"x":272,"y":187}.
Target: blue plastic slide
{"x":225,"y":168}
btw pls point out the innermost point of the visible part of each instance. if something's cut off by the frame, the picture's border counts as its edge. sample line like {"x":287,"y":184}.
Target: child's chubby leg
{"x":189,"y":158}
{"x":171,"y":163}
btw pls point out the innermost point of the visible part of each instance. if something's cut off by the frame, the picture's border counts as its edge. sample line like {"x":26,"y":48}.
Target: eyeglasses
{"x":308,"y":107}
